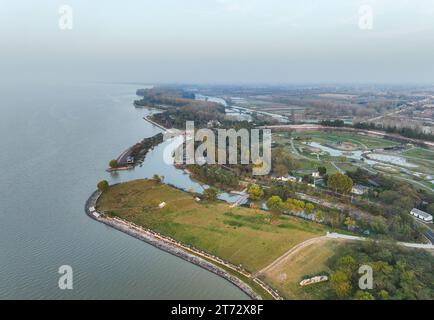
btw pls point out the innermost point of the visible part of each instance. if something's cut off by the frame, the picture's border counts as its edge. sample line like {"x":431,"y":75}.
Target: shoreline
{"x":175,"y":248}
{"x":155,"y":123}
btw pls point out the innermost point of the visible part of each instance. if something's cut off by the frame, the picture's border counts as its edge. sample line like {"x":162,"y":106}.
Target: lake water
{"x":55,"y":143}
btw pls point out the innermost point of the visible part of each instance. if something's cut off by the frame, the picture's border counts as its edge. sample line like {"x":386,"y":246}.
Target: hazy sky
{"x":218,"y":41}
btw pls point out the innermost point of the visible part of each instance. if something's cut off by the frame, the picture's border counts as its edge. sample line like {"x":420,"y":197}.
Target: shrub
{"x":103,"y":185}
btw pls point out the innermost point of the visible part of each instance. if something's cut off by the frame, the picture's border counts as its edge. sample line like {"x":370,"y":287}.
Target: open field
{"x":309,"y":261}
{"x":332,"y":138}
{"x":417,"y":152}
{"x":242,"y":236}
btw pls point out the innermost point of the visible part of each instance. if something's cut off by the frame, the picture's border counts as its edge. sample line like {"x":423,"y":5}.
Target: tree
{"x":340,"y":183}
{"x":347,"y":264}
{"x":340,"y":283}
{"x":383,"y":295}
{"x":322,"y":170}
{"x":350,"y":223}
{"x":319,"y":215}
{"x":364,"y":295}
{"x":255,"y":192}
{"x":113,"y":163}
{"x":156,"y":178}
{"x":294,"y":205}
{"x":103,"y":185}
{"x":280,"y":170}
{"x":210,"y":194}
{"x":274,"y":203}
{"x":309,"y":207}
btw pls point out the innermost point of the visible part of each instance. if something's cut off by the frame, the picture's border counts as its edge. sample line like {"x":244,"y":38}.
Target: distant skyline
{"x":218,"y":41}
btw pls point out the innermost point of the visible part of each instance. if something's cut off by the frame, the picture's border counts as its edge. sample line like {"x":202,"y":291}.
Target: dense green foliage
{"x":103,"y":185}
{"x":275,"y":203}
{"x":210,"y":194}
{"x":255,"y":192}
{"x":113,"y":163}
{"x":283,"y":162}
{"x":398,"y":273}
{"x":340,"y":183}
{"x":214,"y":175}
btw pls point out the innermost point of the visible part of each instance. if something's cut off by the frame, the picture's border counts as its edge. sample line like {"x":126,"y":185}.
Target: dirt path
{"x":292,"y":251}
{"x":332,"y":236}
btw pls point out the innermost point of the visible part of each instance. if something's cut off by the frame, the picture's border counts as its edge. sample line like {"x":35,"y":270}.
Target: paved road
{"x":430,"y":235}
{"x":334,"y":235}
{"x":337,"y":168}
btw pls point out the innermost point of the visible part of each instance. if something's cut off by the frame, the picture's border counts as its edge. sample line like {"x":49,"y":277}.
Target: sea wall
{"x":171,"y":248}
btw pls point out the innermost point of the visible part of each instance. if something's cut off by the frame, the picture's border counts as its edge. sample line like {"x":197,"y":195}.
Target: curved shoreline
{"x":171,"y":247}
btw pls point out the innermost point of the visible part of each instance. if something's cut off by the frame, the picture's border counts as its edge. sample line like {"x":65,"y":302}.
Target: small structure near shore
{"x":313,"y":280}
{"x":162,"y":205}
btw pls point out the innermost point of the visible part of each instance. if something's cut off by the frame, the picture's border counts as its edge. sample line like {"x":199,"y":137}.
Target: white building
{"x":421,"y":215}
{"x":359,"y":189}
{"x":162,"y":205}
{"x":315,"y":174}
{"x":288,"y":178}
{"x":96,"y":214}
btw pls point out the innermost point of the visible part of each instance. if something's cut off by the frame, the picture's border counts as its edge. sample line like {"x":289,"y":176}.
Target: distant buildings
{"x":359,"y":189}
{"x":421,"y":215}
{"x":316,"y":174}
{"x":288,"y":178}
{"x":213,"y":124}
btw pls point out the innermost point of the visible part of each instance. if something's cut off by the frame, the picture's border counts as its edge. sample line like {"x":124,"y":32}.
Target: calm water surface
{"x":55,"y":143}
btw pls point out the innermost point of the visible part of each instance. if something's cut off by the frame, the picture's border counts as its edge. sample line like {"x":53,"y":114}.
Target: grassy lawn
{"x":334,"y":137}
{"x":252,"y":238}
{"x":420,"y":153}
{"x":309,"y":261}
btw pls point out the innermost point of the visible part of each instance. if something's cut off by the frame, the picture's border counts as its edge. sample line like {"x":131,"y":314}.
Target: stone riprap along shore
{"x":164,"y":243}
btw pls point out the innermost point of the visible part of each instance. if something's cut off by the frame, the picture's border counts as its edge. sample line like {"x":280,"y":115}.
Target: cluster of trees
{"x":139,"y":150}
{"x":403,"y":131}
{"x":390,"y":201}
{"x":333,"y":123}
{"x":214,"y":175}
{"x":210,"y":194}
{"x":398,"y":273}
{"x":276,"y":204}
{"x":255,"y":192}
{"x":340,"y":183}
{"x":283,"y":162}
{"x":163,"y":96}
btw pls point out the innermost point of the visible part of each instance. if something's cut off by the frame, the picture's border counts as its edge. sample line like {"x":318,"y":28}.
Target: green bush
{"x":103,"y":185}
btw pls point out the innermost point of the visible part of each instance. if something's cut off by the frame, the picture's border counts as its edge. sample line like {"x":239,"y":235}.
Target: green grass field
{"x":363,"y":141}
{"x":308,"y":262}
{"x":242,"y":236}
{"x":421,"y":153}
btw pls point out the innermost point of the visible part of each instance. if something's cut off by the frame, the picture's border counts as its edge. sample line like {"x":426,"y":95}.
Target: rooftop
{"x":421,"y":213}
